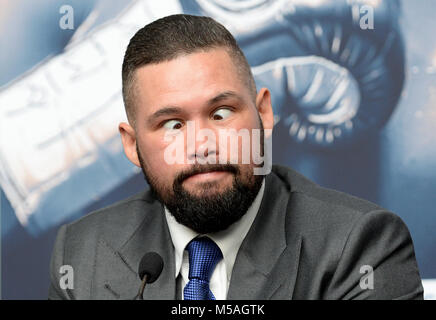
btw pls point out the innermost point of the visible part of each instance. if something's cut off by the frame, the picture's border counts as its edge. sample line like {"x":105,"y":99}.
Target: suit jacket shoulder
{"x":342,"y":238}
{"x":104,"y":249}
{"x":107,"y":222}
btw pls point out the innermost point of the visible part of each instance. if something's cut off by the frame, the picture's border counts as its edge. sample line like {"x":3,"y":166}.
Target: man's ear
{"x":128,"y":137}
{"x":264,"y":107}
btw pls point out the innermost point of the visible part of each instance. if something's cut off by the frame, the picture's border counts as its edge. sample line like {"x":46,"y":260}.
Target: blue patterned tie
{"x":204,"y":254}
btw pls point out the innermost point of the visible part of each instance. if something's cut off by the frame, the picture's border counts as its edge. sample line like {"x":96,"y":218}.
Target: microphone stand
{"x":140,"y":295}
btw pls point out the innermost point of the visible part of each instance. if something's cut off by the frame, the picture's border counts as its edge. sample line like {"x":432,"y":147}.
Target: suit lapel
{"x":121,"y":279}
{"x":267,"y":262}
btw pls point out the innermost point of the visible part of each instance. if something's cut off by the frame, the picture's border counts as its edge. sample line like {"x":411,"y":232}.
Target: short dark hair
{"x":169,"y":37}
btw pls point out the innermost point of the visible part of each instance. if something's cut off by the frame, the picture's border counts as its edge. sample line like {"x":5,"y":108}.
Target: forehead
{"x":187,"y":81}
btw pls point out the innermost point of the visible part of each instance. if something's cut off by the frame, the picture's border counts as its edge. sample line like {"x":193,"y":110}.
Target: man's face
{"x":204,"y":90}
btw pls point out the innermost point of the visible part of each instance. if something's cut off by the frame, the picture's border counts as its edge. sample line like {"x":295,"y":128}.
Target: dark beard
{"x":212,"y":213}
{"x":207,"y":213}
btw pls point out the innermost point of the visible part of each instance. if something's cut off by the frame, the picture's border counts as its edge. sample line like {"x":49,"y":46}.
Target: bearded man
{"x":225,"y":228}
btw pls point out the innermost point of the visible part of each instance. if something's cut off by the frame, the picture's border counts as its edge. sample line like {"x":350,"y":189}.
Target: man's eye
{"x":221,"y":114}
{"x":173,"y":124}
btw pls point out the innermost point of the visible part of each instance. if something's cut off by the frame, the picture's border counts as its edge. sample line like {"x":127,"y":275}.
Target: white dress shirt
{"x":228,"y":241}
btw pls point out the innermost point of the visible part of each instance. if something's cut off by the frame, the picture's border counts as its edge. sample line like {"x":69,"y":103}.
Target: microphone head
{"x":151,"y":265}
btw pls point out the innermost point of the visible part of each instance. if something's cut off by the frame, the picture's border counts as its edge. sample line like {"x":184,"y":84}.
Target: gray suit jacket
{"x":307,"y":242}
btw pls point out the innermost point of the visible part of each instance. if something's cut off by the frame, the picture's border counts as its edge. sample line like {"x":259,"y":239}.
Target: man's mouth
{"x":208,"y":176}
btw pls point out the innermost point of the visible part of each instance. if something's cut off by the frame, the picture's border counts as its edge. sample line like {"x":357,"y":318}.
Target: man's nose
{"x":201,"y":141}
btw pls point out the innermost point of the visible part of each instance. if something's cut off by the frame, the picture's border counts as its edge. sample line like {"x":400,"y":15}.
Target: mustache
{"x":196,"y":169}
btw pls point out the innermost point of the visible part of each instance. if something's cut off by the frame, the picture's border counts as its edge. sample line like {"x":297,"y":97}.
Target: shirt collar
{"x":228,"y":240}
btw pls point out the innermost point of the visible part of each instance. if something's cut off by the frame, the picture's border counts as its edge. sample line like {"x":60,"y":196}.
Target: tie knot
{"x":204,"y":254}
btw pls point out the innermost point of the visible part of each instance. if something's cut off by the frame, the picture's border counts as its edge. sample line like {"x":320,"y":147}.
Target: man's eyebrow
{"x":173,"y":110}
{"x":224,"y":95}
{"x":165,"y":111}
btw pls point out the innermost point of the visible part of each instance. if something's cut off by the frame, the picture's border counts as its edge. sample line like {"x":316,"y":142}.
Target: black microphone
{"x":149,"y":270}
